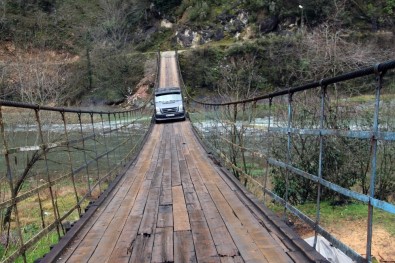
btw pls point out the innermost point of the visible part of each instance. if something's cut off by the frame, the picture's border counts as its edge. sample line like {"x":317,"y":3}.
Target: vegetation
{"x":343,"y":214}
{"x":80,"y":48}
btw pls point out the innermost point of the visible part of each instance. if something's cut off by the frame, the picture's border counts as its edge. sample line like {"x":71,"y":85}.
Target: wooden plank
{"x":186,"y":181}
{"x":197,"y":181}
{"x":135,"y":241}
{"x":157,"y":179}
{"x":236,"y":259}
{"x":259,"y":234}
{"x":175,"y":168}
{"x":166,"y":196}
{"x":166,"y":182}
{"x":222,"y":238}
{"x":204,"y":244}
{"x":121,"y":252}
{"x":165,"y":216}
{"x":148,"y":222}
{"x":297,"y":256}
{"x":184,"y":250}
{"x":247,"y":247}
{"x":141,"y":248}
{"x":114,"y":229}
{"x":180,"y":214}
{"x":163,"y":245}
{"x":192,"y":201}
{"x":190,"y":158}
{"x":97,"y":230}
{"x":180,"y":147}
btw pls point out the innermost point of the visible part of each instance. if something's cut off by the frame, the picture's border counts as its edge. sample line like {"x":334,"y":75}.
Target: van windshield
{"x":168,"y":98}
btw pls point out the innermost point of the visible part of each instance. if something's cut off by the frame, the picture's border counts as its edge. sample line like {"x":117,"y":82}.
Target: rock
{"x":219,"y":34}
{"x":248,"y":33}
{"x":206,"y":36}
{"x":238,"y":26}
{"x":269,"y":25}
{"x":225,"y":18}
{"x":243,"y":17}
{"x":166,"y":24}
{"x":185,"y":37}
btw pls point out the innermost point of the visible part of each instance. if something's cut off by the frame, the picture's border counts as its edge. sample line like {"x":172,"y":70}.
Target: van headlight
{"x":157,"y":109}
{"x":180,"y":108}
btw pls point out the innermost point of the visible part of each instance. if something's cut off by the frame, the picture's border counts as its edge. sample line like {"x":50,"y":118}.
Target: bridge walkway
{"x":175,"y":205}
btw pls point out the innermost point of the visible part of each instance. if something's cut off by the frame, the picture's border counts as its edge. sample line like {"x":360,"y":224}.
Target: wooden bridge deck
{"x":175,"y":205}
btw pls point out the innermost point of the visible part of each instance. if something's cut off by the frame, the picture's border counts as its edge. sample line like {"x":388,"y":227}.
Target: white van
{"x":169,"y":104}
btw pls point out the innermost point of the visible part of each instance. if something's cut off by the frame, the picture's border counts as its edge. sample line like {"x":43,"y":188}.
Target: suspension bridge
{"x":114,"y":187}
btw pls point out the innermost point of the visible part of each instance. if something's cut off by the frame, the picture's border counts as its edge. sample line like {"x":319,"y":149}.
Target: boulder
{"x":269,"y":25}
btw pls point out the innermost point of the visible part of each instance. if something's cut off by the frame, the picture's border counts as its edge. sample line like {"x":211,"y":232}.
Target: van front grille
{"x":170,"y":110}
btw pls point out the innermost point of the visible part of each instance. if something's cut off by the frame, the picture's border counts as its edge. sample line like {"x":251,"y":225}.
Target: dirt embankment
{"x":354,"y":233}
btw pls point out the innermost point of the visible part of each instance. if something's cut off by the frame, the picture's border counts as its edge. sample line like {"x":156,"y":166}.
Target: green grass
{"x":37,"y":251}
{"x":42,"y":247}
{"x":367,"y":98}
{"x":345,"y":214}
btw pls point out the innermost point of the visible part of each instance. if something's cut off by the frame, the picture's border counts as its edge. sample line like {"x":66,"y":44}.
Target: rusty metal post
{"x":11,"y":183}
{"x":268,"y":150}
{"x":131,"y":126}
{"x":84,"y":151}
{"x":124,"y":122}
{"x":105,"y":140}
{"x":375,"y":129}
{"x":320,"y":164}
{"x":44,"y":149}
{"x":95,"y":148}
{"x":119,"y":157}
{"x":70,"y":159}
{"x":289,"y":160}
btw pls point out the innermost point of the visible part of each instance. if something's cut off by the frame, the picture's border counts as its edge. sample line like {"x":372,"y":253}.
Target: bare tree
{"x":120,"y":16}
{"x":36,"y":80}
{"x":240,"y":78}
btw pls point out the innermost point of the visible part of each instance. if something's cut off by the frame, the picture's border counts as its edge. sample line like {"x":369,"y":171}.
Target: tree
{"x":41,"y":82}
{"x":166,"y":6}
{"x":239,"y":82}
{"x":121,"y":18}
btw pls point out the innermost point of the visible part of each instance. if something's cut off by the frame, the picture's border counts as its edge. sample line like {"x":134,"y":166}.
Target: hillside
{"x":91,"y":51}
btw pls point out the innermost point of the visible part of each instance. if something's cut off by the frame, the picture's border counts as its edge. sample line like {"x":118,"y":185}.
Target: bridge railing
{"x":329,"y":141}
{"x":54,"y":162}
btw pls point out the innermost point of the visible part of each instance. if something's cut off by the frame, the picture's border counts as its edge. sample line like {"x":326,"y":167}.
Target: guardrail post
{"x":44,"y":148}
{"x":96,"y":154}
{"x":130,"y":127}
{"x":105,"y":140}
{"x":84,"y":151}
{"x":375,"y":129}
{"x":320,"y":164}
{"x":289,"y":160}
{"x":118,"y":141}
{"x":269,"y":150}
{"x":70,"y":162}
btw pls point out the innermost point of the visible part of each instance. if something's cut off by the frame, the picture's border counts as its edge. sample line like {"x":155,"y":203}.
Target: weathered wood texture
{"x":174,"y":205}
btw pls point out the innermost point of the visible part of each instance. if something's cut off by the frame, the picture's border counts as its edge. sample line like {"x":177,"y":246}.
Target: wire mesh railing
{"x":54,"y":162}
{"x":327,"y":142}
